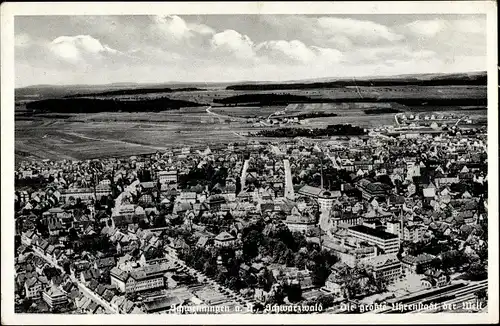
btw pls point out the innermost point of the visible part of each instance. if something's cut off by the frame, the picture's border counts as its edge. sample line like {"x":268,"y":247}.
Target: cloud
{"x":434,"y":27}
{"x":233,"y":43}
{"x":354,"y":28}
{"x":76,"y":48}
{"x":296,"y":52}
{"x":173,"y":26}
{"x":428,"y":28}
{"x":201,"y":29}
{"x":267,"y":47}
{"x":146,"y":54}
{"x":177,"y":29}
{"x":386,"y":54}
{"x":336,"y":32}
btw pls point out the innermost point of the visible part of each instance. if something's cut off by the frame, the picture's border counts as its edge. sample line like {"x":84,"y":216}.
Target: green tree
{"x":294,"y":292}
{"x":477,"y":272}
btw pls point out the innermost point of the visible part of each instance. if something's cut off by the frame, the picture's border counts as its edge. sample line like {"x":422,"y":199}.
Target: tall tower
{"x":321,"y":167}
{"x":401,"y":226}
{"x":289,"y":192}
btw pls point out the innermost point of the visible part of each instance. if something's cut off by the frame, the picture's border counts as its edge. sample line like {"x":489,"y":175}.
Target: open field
{"x":351,"y":92}
{"x":206,"y":97}
{"x":248,"y":111}
{"x":66,"y":135}
{"x":93,"y":135}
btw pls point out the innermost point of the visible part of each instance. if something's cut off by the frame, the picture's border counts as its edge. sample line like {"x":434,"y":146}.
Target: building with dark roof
{"x":162,"y":304}
{"x":386,"y":241}
{"x":418,"y":264}
{"x":371,"y":190}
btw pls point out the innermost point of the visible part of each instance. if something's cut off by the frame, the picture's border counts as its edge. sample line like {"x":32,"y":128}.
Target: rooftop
{"x":373,"y":232}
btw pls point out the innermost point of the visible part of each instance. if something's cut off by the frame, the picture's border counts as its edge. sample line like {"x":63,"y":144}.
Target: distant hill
{"x":464,"y":75}
{"x":39,"y":92}
{"x":138,"y":91}
{"x":469,"y":79}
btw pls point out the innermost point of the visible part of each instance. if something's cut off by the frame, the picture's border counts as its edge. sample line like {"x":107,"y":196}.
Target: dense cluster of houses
{"x":96,"y":235}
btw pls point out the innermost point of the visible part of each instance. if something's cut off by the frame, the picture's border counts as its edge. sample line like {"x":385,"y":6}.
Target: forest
{"x":331,"y":130}
{"x":381,"y":111}
{"x":138,"y":91}
{"x":479,"y":80}
{"x":309,"y":115}
{"x":262,"y":99}
{"x":282,"y":99}
{"x":87,"y":105}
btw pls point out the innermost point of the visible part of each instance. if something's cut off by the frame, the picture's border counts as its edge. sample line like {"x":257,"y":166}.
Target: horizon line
{"x":254,"y":81}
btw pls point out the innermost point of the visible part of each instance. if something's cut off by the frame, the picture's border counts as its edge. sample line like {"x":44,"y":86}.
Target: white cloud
{"x":386,"y":54}
{"x":428,"y":28}
{"x":177,"y":29}
{"x":201,"y":29}
{"x":272,"y":47}
{"x":148,"y":53}
{"x":296,"y":52}
{"x":340,"y":33}
{"x":435,"y":27}
{"x":327,"y":54}
{"x":76,"y":48}
{"x":357,"y":28}
{"x":173,"y":26}
{"x":232,"y":42}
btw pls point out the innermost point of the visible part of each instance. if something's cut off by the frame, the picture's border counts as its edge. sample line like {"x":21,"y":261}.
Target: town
{"x":362,"y":221}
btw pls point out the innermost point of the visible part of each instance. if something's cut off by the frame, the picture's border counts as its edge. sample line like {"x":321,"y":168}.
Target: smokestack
{"x":401,"y":232}
{"x":321,"y":172}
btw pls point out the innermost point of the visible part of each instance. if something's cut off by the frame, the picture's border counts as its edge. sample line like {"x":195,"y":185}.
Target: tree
{"x":251,"y":244}
{"x":477,"y":272}
{"x":143,"y":224}
{"x":265,"y":280}
{"x":159,"y":221}
{"x":72,"y":235}
{"x":294,"y":292}
{"x":277,"y":296}
{"x":250,"y":280}
{"x":221,"y":277}
{"x":326,"y":300}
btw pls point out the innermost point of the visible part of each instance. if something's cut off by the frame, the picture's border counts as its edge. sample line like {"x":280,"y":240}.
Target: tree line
{"x":480,"y":80}
{"x":331,"y":130}
{"x":90,"y":105}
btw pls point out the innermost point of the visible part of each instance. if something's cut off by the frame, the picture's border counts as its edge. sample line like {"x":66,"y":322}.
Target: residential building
{"x":224,"y":239}
{"x":388,"y":242}
{"x":417,"y":264}
{"x":386,"y":267}
{"x":32,"y":288}
{"x":168,"y":176}
{"x":55,"y":298}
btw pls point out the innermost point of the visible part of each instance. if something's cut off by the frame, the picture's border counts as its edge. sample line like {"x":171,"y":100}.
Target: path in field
{"x":237,"y":134}
{"x":118,"y":141}
{"x":223,"y":116}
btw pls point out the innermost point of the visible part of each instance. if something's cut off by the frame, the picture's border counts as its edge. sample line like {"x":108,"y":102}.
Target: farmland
{"x":87,"y":135}
{"x":83,"y":135}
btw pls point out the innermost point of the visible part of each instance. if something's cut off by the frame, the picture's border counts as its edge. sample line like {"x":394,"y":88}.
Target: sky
{"x":64,"y":50}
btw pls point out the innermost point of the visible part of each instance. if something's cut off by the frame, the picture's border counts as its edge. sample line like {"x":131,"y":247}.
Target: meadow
{"x":86,"y":136}
{"x":106,"y":134}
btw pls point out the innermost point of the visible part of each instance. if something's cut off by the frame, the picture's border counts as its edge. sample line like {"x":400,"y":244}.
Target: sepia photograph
{"x":285,"y":162}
